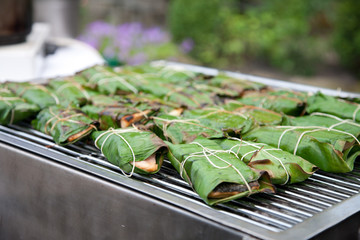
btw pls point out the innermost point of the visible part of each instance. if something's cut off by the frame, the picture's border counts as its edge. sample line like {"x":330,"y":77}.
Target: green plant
{"x":283,"y":35}
{"x":347,"y":35}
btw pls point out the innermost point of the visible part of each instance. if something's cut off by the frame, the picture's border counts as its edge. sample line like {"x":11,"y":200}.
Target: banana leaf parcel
{"x":33,"y":93}
{"x":234,"y":84}
{"x":324,"y":120}
{"x":262,"y":116}
{"x":119,"y":116}
{"x":230,"y":122}
{"x":276,"y":102}
{"x":329,"y":149}
{"x":334,"y":106}
{"x":65,"y":125}
{"x":182,"y":130}
{"x":13,"y":108}
{"x":132,"y":150}
{"x":70,"y":91}
{"x":282,"y":167}
{"x":183,"y":95}
{"x":215,"y":174}
{"x":106,"y":81}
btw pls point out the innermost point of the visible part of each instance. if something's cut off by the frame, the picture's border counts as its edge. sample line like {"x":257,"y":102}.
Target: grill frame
{"x":318,"y":220}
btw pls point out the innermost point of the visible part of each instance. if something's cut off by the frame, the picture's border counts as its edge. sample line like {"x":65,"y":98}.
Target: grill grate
{"x":267,"y":214}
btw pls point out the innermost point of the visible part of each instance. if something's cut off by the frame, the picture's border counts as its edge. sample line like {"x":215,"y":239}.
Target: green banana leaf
{"x":70,"y":91}
{"x":105,"y":100}
{"x":330,"y":150}
{"x":182,"y":95}
{"x":303,"y":96}
{"x":279,"y":103}
{"x":235,"y":84}
{"x":176,"y":76}
{"x":132,"y":150}
{"x":65,"y":125}
{"x":261,"y":116}
{"x":120,"y":115}
{"x":106,"y":81}
{"x":223,"y":120}
{"x":14,"y":109}
{"x":282,"y":167}
{"x":166,"y":74}
{"x":33,"y":93}
{"x":204,"y":87}
{"x":216,"y":175}
{"x":334,"y":106}
{"x":324,"y":120}
{"x":182,"y":130}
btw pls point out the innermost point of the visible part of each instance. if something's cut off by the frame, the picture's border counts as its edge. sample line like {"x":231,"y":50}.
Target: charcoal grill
{"x":72,"y":192}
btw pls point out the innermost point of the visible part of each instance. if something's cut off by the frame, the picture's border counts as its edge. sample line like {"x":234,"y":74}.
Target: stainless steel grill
{"x":320,"y":207}
{"x":304,"y":209}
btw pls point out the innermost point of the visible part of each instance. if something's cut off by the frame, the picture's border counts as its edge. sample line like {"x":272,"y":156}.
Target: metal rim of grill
{"x":304,"y":209}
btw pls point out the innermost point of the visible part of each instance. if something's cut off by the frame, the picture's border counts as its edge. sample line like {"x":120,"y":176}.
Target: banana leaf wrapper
{"x":14,"y":109}
{"x":176,"y":76}
{"x":334,"y":106}
{"x":181,"y":130}
{"x":324,"y":120}
{"x":204,"y":87}
{"x":281,"y":104}
{"x":105,"y":100}
{"x":151,"y":100}
{"x":233,"y":123}
{"x":33,"y":93}
{"x":331,"y":151}
{"x":166,"y":74}
{"x":65,"y":125}
{"x":190,"y":98}
{"x":119,"y":116}
{"x":184,"y":96}
{"x":261,"y":116}
{"x":132,"y":150}
{"x":70,"y":91}
{"x":106,"y":81}
{"x":216,"y":175}
{"x":234,"y":84}
{"x":282,"y":167}
{"x":163,"y":107}
{"x":302,"y":96}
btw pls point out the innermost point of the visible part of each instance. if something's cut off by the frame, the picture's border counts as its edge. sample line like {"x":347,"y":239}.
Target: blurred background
{"x":313,"y":42}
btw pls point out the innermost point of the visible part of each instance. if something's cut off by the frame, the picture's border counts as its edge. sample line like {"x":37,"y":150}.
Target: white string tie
{"x":266,"y":151}
{"x":117,"y":133}
{"x":206,"y":152}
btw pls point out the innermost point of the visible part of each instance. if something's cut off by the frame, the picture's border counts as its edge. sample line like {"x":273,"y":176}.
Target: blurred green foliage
{"x":347,"y":34}
{"x":292,"y":35}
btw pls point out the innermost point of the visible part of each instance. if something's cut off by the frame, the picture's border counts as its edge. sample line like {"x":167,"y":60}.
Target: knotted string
{"x":341,"y":121}
{"x":313,"y":129}
{"x":244,"y":143}
{"x":206,"y":152}
{"x":65,"y":119}
{"x":117,"y":132}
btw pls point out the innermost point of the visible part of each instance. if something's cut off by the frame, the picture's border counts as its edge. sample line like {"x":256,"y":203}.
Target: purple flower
{"x":187,"y":45}
{"x":90,"y":40}
{"x":155,"y":35}
{"x":100,"y":28}
{"x":128,"y":42}
{"x":137,"y":59}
